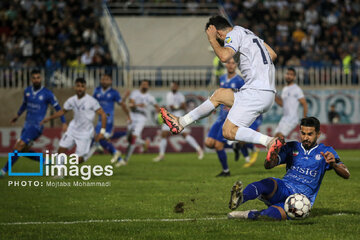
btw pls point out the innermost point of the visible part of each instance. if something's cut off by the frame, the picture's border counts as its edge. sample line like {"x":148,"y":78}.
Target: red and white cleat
{"x":274,"y":147}
{"x":171,"y":121}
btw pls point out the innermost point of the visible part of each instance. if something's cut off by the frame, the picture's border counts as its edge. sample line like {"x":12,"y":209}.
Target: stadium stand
{"x":32,"y":32}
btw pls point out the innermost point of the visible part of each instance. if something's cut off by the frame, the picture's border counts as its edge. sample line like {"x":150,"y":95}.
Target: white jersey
{"x":84,"y":112}
{"x":141,"y":98}
{"x":290,"y":97}
{"x":175,"y":100}
{"x":255,"y":64}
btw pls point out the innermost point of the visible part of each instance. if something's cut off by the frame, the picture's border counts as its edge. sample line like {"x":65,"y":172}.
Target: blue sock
{"x":223,"y":159}
{"x":270,"y":212}
{"x":244,"y":150}
{"x":250,"y":146}
{"x":107,"y":146}
{"x":255,"y":189}
{"x":117,"y":135}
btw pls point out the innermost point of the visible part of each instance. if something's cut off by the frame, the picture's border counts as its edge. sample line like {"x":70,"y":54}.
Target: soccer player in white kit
{"x":175,"y":101}
{"x":81,"y":129}
{"x":254,"y":98}
{"x":140,"y":100}
{"x":290,"y":98}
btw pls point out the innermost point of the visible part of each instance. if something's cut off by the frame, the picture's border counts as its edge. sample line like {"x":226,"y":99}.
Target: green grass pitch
{"x":140,"y":203}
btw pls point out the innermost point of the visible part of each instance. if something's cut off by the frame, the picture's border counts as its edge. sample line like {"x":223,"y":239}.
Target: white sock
{"x":129,"y":151}
{"x":162,"y":146}
{"x":192,"y":142}
{"x":248,"y":135}
{"x":201,"y":111}
{"x":247,"y":159}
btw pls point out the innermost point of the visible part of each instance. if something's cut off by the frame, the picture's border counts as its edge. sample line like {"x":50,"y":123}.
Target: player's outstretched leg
{"x":251,"y":192}
{"x":273,"y":212}
{"x":177,"y":124}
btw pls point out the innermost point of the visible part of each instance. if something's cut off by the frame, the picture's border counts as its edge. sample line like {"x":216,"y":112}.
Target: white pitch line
{"x":115,"y":221}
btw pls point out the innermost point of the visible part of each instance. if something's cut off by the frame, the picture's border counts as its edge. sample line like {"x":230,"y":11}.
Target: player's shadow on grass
{"x":318,"y":212}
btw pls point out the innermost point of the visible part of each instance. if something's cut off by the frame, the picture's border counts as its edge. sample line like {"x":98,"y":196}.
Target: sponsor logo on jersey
{"x":228,"y":40}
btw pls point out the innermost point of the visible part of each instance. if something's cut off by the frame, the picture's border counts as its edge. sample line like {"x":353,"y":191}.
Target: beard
{"x":36,"y":86}
{"x":308,"y":145}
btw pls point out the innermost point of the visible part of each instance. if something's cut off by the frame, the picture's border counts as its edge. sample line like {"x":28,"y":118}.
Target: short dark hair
{"x":310,"y":122}
{"x":80,"y":80}
{"x":219,"y":22}
{"x":35,"y":71}
{"x":292,"y":69}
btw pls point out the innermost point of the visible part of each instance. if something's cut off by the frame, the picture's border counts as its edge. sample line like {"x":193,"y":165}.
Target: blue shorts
{"x":283,"y":191}
{"x":30,"y":133}
{"x":108,"y":128}
{"x":216,"y":131}
{"x":258,"y":121}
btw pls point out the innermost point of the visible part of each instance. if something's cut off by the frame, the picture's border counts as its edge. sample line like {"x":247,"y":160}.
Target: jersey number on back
{"x":255,"y":40}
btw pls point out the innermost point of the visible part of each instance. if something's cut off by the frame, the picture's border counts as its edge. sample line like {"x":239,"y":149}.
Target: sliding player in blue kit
{"x":107,"y":96}
{"x":306,"y":164}
{"x":35,"y":102}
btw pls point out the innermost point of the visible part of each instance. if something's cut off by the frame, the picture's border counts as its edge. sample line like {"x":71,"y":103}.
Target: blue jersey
{"x":305,"y":169}
{"x":235,"y":83}
{"x":107,"y":99}
{"x":36,"y":103}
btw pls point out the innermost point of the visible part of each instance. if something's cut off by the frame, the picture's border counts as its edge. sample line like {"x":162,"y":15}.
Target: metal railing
{"x":188,"y":76}
{"x":117,"y":45}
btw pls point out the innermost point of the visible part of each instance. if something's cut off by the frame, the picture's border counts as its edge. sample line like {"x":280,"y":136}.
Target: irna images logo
{"x":60,"y":165}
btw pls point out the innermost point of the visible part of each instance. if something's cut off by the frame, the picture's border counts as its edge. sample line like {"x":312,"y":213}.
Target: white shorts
{"x":136,"y":126}
{"x":248,"y":105}
{"x":285,"y":127}
{"x":82,"y":144}
{"x":165,"y":127}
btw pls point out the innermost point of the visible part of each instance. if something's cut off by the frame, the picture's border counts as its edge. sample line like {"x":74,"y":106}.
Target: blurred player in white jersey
{"x":290,"y":98}
{"x":81,"y":129}
{"x":176,"y":102}
{"x":254,"y":98}
{"x":139,"y":102}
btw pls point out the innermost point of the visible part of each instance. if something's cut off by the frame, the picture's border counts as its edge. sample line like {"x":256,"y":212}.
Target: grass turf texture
{"x":147,"y":190}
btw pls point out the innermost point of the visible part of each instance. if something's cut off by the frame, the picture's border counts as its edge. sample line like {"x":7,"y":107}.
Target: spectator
{"x":86,"y":58}
{"x":333,"y":116}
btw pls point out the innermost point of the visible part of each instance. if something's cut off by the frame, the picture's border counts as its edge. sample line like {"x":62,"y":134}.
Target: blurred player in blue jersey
{"x":244,"y":147}
{"x":107,"y":96}
{"x":215,"y":138}
{"x":306,"y":164}
{"x":35,"y":102}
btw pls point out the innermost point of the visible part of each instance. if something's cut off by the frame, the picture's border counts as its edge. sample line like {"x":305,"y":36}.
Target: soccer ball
{"x":297,"y":206}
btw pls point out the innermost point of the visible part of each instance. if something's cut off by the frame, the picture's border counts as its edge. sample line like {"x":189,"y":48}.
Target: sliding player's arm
{"x":305,"y":106}
{"x":224,"y":53}
{"x":281,"y":158}
{"x":102,"y":114}
{"x":339,"y":167}
{"x":272,"y":53}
